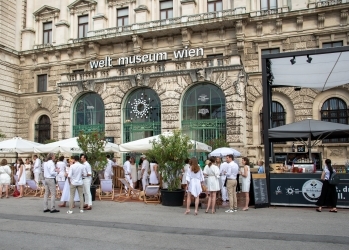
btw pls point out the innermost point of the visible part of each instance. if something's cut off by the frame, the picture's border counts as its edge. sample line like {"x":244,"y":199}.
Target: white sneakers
{"x":231,"y":210}
{"x":70,"y":212}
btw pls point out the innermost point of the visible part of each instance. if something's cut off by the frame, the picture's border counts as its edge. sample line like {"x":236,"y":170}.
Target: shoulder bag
{"x":334,"y":179}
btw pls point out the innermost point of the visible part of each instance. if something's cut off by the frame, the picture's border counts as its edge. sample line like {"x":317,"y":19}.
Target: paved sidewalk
{"x":136,"y":225}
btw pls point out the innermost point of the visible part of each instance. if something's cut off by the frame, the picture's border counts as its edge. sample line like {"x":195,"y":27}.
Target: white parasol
{"x":17,"y":145}
{"x":145,"y":144}
{"x":221,"y":152}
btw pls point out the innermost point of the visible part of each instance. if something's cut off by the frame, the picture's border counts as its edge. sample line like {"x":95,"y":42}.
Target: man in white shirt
{"x":50,"y":173}
{"x":76,"y":172}
{"x":144,"y":171}
{"x":127,"y":171}
{"x":223,"y":170}
{"x":37,"y":168}
{"x":108,"y":171}
{"x":87,"y":182}
{"x":231,"y":173}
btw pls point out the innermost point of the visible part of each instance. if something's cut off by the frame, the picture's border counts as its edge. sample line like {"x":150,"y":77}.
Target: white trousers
{"x":87,"y":190}
{"x":145,"y":182}
{"x":128,"y":179}
{"x":224,"y":190}
{"x":37,"y":177}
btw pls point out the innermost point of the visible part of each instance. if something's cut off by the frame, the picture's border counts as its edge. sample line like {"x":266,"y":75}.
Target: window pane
{"x":273,"y":4}
{"x":85,"y":30}
{"x":163,"y":15}
{"x":81,"y":31}
{"x":337,"y":44}
{"x":125,"y":20}
{"x":210,"y":7}
{"x":46,"y":38}
{"x":83,"y":19}
{"x":123,"y":12}
{"x":48,"y":26}
{"x":120,"y":23}
{"x":42,"y":83}
{"x":219,"y":6}
{"x":170,"y":14}
{"x":264,"y":4}
{"x":166,"y":5}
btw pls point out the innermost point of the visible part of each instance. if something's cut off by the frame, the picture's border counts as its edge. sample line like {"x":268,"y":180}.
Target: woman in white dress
{"x":134,"y":171}
{"x":194,"y":179}
{"x":66,"y":190}
{"x":28,"y":168}
{"x":61,"y":165}
{"x":246,"y":181}
{"x":21,"y":177}
{"x":184,"y":173}
{"x":211,"y":171}
{"x":153,"y":178}
{"x":5,"y":177}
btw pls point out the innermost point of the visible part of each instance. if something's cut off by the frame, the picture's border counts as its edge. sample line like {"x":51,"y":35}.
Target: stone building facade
{"x":135,"y":68}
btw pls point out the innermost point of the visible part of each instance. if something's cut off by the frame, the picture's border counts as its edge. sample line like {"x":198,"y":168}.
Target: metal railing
{"x":139,"y":130}
{"x":88,"y":129}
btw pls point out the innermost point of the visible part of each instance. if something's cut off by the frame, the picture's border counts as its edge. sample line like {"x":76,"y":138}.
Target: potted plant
{"x":170,"y":152}
{"x":92,"y":144}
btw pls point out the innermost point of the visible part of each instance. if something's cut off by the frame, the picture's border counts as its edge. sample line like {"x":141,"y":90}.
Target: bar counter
{"x":304,"y":189}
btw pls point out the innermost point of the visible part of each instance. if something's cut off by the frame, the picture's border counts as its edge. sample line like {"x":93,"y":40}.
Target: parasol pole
{"x":309,"y":146}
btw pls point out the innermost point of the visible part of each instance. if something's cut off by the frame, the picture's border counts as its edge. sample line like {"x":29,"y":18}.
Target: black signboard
{"x":260,"y":191}
{"x":301,"y":189}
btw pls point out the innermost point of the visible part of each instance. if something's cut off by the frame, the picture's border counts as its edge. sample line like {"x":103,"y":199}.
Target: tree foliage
{"x":93,"y":146}
{"x":218,"y":143}
{"x":170,"y":153}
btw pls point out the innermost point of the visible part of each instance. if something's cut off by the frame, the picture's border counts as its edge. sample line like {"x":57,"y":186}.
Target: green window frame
{"x":141,"y":115}
{"x":204,"y":114}
{"x":89,"y":114}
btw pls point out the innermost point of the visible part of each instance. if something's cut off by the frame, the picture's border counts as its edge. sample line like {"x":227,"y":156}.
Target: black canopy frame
{"x":267,"y":84}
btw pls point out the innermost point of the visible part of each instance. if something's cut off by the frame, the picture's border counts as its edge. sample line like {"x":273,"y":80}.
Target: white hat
{"x":143,"y":156}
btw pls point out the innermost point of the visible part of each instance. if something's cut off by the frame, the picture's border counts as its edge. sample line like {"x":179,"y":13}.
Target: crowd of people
{"x":216,"y":177}
{"x":75,"y":171}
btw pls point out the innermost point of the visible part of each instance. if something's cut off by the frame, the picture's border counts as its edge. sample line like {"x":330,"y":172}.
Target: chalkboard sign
{"x":260,"y":191}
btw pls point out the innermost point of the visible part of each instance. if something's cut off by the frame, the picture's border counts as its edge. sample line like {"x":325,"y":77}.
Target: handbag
{"x":16,"y":192}
{"x":334,"y":179}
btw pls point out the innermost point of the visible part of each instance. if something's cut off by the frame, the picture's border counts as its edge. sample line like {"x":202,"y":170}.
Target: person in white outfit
{"x":5,"y":177}
{"x":127,"y":171}
{"x":211,"y":171}
{"x":87,"y":182}
{"x":76,"y":172}
{"x":154,"y":175}
{"x":184,"y":173}
{"x":246,"y":181}
{"x":232,"y":172}
{"x":21,"y":177}
{"x":61,"y":166}
{"x":223,"y":177}
{"x":194,"y":179}
{"x":144,"y":171}
{"x":108,"y":171}
{"x":66,"y":189}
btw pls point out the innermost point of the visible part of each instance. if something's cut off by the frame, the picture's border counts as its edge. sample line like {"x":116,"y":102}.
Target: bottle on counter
{"x":293,"y":148}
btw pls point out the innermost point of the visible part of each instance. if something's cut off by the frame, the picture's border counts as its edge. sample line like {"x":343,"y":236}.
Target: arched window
{"x":43,"y":129}
{"x":278,"y":117}
{"x":203,"y":113}
{"x":142,"y":115}
{"x":335,"y":110}
{"x":89,"y":114}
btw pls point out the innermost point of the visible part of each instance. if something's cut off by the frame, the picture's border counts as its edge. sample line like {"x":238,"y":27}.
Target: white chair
{"x":33,"y":188}
{"x":151,"y":194}
{"x":106,"y":189}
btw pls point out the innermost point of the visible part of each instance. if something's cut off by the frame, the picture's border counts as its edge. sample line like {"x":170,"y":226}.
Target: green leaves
{"x":218,"y":143}
{"x":170,"y":151}
{"x":93,"y":145}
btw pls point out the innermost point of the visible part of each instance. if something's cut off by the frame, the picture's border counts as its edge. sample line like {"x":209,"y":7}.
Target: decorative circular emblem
{"x":311,"y":190}
{"x":140,"y":107}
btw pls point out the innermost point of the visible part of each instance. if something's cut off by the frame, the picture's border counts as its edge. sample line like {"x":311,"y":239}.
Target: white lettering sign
{"x":179,"y":54}
{"x":203,"y":111}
